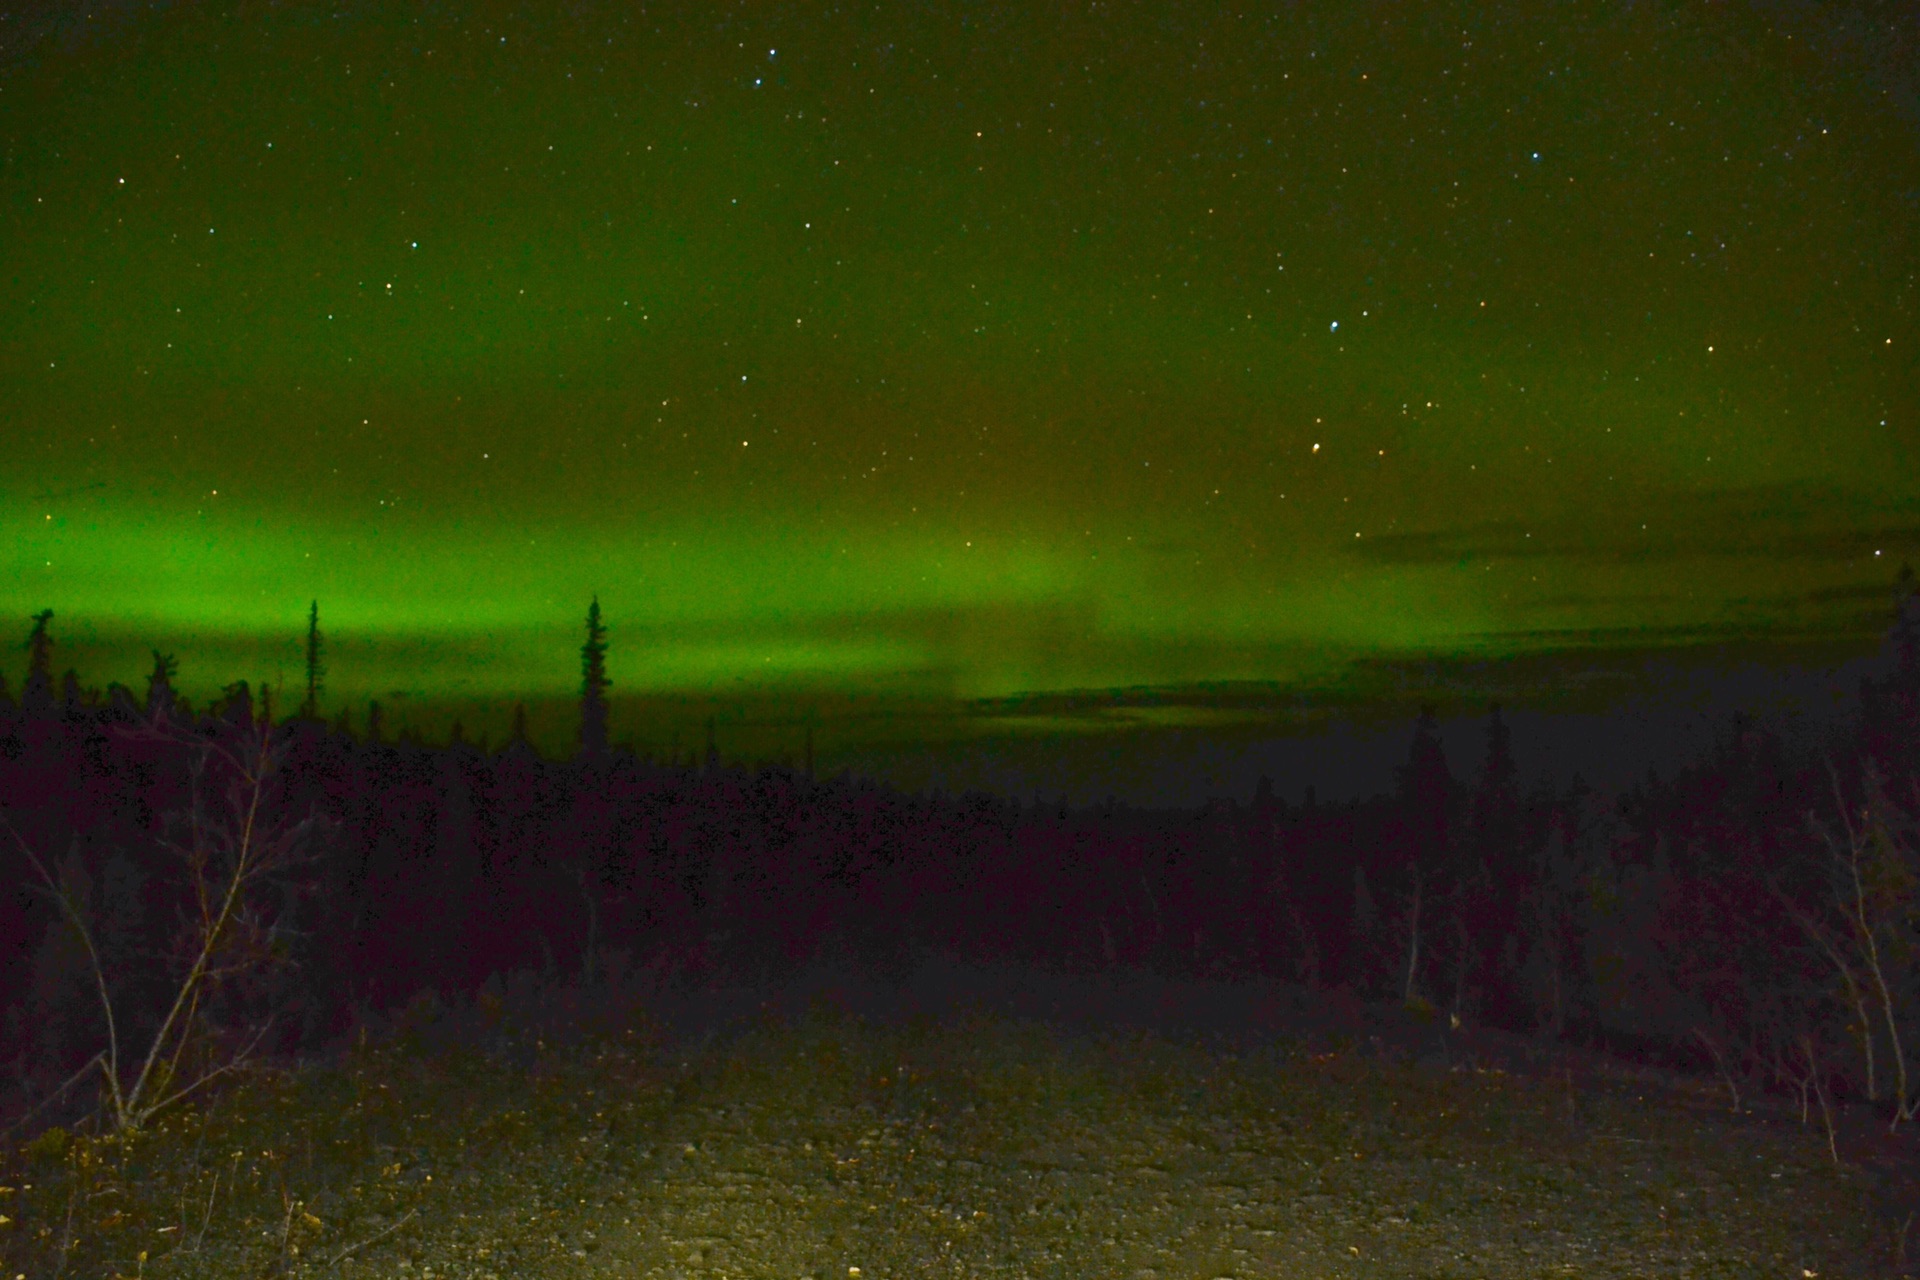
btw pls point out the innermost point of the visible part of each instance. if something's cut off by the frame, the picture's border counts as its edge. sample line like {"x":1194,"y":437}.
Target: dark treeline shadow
{"x":1702,"y":921}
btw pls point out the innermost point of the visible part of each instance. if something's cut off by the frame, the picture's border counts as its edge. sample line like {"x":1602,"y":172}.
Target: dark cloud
{"x":1774,"y":522}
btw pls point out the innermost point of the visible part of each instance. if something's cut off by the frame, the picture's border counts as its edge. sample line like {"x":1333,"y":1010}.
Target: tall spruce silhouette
{"x":316,"y":671}
{"x":1903,"y":639}
{"x":36,"y":695}
{"x":1426,"y":789}
{"x":238,"y":708}
{"x":1496,"y":803}
{"x":1490,"y":870}
{"x":1891,"y":704}
{"x":1903,"y":644}
{"x":160,"y":685}
{"x":593,"y":685}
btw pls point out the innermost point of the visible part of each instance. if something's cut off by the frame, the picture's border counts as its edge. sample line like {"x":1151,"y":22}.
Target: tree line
{"x":1752,"y":917}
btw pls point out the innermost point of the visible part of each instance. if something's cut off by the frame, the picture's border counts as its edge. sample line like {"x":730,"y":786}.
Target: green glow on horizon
{"x":465,"y":611}
{"x":910,"y":357}
{"x":693,"y":608}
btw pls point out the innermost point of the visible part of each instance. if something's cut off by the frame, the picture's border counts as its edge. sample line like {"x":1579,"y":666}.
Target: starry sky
{"x":950,"y":352}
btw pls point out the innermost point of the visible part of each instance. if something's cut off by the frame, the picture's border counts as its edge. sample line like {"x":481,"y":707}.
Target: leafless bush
{"x":230,"y":939}
{"x":1863,"y":928}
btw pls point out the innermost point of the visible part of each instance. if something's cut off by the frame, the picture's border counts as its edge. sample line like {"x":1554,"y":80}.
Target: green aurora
{"x":947,"y":352}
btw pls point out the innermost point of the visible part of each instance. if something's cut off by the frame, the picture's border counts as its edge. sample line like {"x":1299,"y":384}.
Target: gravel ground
{"x":976,"y":1123}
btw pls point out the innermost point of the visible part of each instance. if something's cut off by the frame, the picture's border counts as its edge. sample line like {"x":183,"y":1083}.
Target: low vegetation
{"x":630,"y":1133}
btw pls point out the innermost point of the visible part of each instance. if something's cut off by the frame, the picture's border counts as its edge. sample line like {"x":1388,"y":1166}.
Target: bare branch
{"x":93,"y":957}
{"x":97,"y":1060}
{"x":1856,"y":995}
{"x":1819,"y":1092}
{"x":1720,"y":1061}
{"x":232,"y":937}
{"x":232,"y":1064}
{"x":355,"y":1248}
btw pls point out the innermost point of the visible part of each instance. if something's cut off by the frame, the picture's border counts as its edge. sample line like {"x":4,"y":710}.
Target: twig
{"x":1820,"y":1092}
{"x":221,"y":1070}
{"x":193,"y":1161}
{"x":1719,"y":1061}
{"x":66,"y":1230}
{"x":286,"y":1228}
{"x":1573,"y":1098}
{"x":207,"y":1217}
{"x":72,"y":912}
{"x":98,"y":1059}
{"x":355,"y":1248}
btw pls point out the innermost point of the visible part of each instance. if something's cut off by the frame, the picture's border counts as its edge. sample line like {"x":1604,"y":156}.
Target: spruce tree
{"x":238,"y":708}
{"x":1426,"y":791}
{"x":1426,"y":788}
{"x":593,"y":689}
{"x":1903,"y":644}
{"x":1363,"y":941}
{"x":1263,"y":801}
{"x":120,"y":704}
{"x":1496,"y":798}
{"x":36,"y":695}
{"x":72,"y":700}
{"x":1492,"y":873}
{"x":160,"y":696}
{"x":316,"y":672}
{"x":1903,"y":639}
{"x":1892,"y":703}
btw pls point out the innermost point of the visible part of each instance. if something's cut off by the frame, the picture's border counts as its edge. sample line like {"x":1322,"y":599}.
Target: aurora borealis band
{"x":958,"y":349}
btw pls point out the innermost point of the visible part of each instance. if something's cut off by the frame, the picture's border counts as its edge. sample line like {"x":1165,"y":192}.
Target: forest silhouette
{"x":1750,"y":918}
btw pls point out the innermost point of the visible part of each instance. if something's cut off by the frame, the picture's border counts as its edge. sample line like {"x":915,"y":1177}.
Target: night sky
{"x":937,"y":352}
